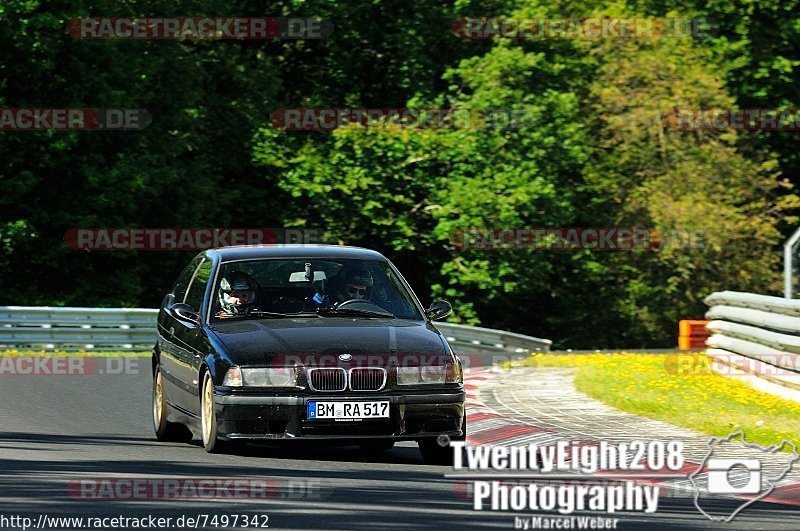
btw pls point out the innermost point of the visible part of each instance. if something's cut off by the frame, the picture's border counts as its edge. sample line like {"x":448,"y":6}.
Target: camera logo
{"x":721,"y":476}
{"x":735,"y":474}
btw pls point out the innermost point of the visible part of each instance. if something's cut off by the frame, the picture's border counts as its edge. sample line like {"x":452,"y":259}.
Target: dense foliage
{"x":591,"y":150}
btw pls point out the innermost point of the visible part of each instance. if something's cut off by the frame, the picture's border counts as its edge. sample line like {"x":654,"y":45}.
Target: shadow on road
{"x":299,"y":450}
{"x":381,"y":494}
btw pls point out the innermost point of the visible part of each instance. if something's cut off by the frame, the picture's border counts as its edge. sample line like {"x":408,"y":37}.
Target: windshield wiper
{"x":352,"y":311}
{"x":271,"y":315}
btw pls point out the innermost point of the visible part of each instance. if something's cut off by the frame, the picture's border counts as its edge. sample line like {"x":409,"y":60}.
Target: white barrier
{"x":747,"y":327}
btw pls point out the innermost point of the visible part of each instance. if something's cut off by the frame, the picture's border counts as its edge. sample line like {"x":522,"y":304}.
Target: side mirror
{"x":438,"y":310}
{"x":168,"y":300}
{"x":184,"y":312}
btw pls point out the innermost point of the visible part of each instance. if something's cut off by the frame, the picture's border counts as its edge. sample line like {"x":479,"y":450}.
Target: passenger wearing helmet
{"x":352,"y":282}
{"x":237,"y":294}
{"x":356,"y":284}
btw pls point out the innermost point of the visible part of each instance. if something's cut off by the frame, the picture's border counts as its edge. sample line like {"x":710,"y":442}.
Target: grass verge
{"x":680,"y":389}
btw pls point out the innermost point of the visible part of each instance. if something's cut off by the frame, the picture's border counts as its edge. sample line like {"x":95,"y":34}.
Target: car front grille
{"x":332,"y":379}
{"x":367,"y":379}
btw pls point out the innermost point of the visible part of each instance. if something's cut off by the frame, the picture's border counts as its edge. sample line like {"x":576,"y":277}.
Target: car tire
{"x":165,"y":431}
{"x":377,"y":446}
{"x":208,"y":419}
{"x":434,"y":453}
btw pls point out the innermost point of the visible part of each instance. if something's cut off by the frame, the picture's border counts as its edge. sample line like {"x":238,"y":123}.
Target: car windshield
{"x":275,"y":288}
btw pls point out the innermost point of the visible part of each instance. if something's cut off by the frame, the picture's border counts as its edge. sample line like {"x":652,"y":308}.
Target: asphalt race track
{"x":58,"y":430}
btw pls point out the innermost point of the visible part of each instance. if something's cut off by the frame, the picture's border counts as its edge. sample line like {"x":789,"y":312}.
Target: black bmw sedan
{"x":280,"y":342}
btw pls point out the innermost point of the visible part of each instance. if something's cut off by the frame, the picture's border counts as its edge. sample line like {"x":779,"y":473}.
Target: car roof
{"x":248,"y":252}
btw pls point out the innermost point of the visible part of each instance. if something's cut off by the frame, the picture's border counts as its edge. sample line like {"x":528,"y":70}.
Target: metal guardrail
{"x":488,"y":340}
{"x":45,"y":327}
{"x":50,"y":328}
{"x":756,"y":333}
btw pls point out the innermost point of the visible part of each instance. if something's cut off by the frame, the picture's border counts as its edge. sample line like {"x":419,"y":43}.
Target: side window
{"x":179,"y":290}
{"x":194,"y":297}
{"x":398,"y":299}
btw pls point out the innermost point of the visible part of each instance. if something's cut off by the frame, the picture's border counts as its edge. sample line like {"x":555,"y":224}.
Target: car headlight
{"x":261,"y":377}
{"x":233,"y":378}
{"x":430,"y":374}
{"x":408,"y":376}
{"x":457,"y":371}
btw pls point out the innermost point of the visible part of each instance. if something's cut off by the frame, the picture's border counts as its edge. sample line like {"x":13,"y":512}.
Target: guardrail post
{"x":788,"y":263}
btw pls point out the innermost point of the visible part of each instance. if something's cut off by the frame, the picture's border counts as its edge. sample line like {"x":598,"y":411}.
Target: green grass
{"x":680,"y":389}
{"x":78,"y":353}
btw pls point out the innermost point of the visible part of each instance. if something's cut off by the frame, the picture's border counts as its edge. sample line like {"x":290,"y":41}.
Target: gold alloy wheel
{"x":207,"y":408}
{"x":158,"y":399}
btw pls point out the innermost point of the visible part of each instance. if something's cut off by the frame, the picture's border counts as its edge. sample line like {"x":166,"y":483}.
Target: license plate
{"x":348,"y":410}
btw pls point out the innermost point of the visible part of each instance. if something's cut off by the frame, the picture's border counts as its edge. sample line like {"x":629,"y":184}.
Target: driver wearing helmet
{"x":353,"y":282}
{"x":237,"y":294}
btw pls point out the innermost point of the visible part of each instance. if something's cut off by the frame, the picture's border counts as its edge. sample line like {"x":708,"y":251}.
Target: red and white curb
{"x":487,"y":425}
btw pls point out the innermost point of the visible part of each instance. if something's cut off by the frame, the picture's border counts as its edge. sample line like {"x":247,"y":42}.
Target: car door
{"x":188,"y":336}
{"x":172,"y":350}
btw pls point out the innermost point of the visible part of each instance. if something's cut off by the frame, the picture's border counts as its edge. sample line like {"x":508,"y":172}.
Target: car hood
{"x":319,"y":341}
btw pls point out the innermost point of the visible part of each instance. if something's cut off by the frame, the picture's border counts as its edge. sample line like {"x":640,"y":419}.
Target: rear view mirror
{"x":300,"y":276}
{"x":438,"y":310}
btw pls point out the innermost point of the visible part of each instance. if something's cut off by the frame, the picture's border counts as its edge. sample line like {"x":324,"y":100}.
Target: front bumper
{"x":412,"y":416}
